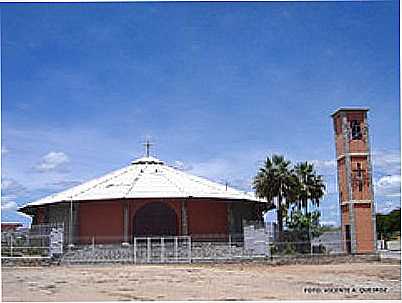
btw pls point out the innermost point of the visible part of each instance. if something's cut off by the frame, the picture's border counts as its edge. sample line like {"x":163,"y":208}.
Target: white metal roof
{"x":147,"y":177}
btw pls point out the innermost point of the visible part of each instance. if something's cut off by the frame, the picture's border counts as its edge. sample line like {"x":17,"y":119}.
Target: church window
{"x":356,"y":130}
{"x":359,"y":176}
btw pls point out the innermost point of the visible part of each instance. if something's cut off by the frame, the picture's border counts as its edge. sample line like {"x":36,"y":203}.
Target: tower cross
{"x":147,"y":145}
{"x":359,"y":175}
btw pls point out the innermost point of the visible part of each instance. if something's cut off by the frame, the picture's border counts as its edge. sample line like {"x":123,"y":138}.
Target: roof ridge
{"x":174,"y":183}
{"x":115,"y":175}
{"x":135,"y":181}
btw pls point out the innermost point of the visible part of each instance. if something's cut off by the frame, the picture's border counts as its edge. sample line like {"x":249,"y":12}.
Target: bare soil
{"x":202,"y":282}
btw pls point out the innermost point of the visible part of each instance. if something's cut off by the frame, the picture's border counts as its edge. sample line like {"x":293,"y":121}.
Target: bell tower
{"x":355,"y":184}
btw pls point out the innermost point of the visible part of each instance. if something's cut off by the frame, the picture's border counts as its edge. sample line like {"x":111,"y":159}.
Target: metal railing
{"x":169,"y":249}
{"x":175,"y":249}
{"x":25,"y":246}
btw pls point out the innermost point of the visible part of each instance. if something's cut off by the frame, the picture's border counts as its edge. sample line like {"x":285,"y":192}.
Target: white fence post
{"x":162,"y":250}
{"x":93,"y":244}
{"x":189,"y":249}
{"x":148,"y":250}
{"x":135,"y":250}
{"x":175,"y":249}
{"x":230,"y":245}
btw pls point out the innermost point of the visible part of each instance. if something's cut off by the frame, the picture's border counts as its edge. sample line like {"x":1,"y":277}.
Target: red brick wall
{"x":343,"y":190}
{"x":10,"y":226}
{"x":365,"y":194}
{"x":338,"y":136}
{"x":364,"y":234}
{"x":357,"y":146}
{"x":40,"y":216}
{"x":363,"y":223}
{"x":345,"y":214}
{"x":345,"y":221}
{"x":207,"y":217}
{"x":103,"y":220}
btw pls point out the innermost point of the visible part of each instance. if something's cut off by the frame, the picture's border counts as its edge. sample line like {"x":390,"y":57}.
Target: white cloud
{"x":388,"y":186}
{"x":224,"y":171}
{"x":4,"y":150}
{"x":182,"y":166}
{"x":387,"y":162}
{"x":384,"y":207}
{"x":214,"y":168}
{"x":329,"y":223}
{"x":53,"y":161}
{"x":8,"y":204}
{"x":10,"y":186}
{"x":324,"y":165}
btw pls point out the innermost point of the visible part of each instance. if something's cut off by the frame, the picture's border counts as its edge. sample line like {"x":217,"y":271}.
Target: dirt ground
{"x":201,"y":282}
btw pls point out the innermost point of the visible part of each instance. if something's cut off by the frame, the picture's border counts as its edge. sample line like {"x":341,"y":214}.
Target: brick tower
{"x":355,"y":184}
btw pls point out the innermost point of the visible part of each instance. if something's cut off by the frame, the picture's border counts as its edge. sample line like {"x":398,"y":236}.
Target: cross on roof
{"x":147,"y":145}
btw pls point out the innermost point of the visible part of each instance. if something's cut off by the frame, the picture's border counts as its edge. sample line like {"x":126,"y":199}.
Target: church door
{"x":155,"y":219}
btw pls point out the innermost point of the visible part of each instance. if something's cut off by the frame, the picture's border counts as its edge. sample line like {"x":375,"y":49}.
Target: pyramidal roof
{"x":146,"y":177}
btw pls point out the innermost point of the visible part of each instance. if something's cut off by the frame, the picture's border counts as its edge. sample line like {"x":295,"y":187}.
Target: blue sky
{"x":217,"y":86}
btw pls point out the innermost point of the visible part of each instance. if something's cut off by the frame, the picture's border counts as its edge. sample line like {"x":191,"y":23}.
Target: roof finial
{"x":147,"y":145}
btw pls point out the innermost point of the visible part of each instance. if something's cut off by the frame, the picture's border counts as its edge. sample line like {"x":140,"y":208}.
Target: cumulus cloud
{"x":53,"y":161}
{"x":8,"y":204}
{"x":388,"y":186}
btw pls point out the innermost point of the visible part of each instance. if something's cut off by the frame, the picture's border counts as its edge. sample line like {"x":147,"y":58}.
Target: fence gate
{"x":162,"y":249}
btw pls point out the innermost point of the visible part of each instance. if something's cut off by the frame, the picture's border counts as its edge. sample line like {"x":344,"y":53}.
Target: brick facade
{"x":114,"y":221}
{"x":355,"y":180}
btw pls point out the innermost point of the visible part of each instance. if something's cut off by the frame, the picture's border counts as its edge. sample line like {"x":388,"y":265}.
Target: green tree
{"x":389,"y":225}
{"x":305,"y":224}
{"x":277,"y":180}
{"x":310,"y":186}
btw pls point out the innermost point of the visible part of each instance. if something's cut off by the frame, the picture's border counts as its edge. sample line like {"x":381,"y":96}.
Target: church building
{"x":146,"y":198}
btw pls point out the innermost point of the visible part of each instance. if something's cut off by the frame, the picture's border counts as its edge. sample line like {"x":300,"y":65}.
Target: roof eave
{"x":349,"y":109}
{"x":28,"y":206}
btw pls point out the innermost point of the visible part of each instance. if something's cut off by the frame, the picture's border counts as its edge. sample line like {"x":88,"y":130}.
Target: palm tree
{"x":304,"y":172}
{"x":276,"y":180}
{"x":311,"y":186}
{"x":318,"y":190}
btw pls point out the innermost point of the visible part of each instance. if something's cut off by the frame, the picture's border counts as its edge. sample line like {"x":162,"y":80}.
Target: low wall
{"x":302,"y":259}
{"x":394,"y":245}
{"x":323,"y":259}
{"x":20,"y":261}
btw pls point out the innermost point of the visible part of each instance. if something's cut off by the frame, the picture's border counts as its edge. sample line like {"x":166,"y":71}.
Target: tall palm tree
{"x":305,"y":175}
{"x":276,"y":180}
{"x":318,"y":190}
{"x":311,"y":186}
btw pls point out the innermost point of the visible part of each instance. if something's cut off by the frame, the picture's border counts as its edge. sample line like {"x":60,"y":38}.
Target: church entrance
{"x":155,"y":219}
